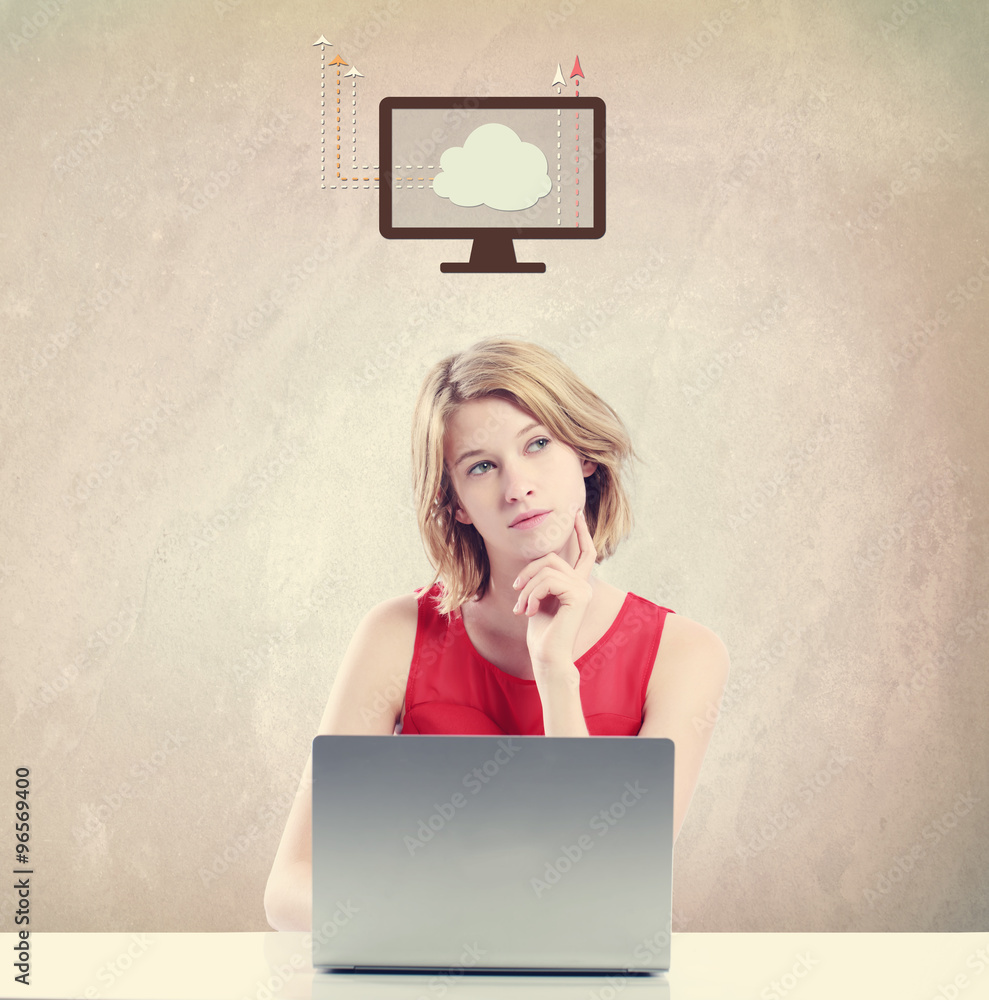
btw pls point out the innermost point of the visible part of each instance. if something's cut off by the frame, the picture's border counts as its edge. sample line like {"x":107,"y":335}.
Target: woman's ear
{"x":588,"y":467}
{"x":449,"y":499}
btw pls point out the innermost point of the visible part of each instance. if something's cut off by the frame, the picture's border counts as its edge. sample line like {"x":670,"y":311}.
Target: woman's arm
{"x":683,"y":697}
{"x":366,"y":699}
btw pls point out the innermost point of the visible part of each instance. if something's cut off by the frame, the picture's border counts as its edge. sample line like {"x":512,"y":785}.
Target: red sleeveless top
{"x":453,"y":690}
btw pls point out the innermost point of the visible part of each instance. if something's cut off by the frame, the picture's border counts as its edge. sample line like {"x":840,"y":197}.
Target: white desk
{"x":258,"y":966}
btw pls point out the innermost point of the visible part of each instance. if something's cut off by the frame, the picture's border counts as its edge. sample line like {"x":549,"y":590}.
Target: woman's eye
{"x":542,"y":442}
{"x":472,"y":471}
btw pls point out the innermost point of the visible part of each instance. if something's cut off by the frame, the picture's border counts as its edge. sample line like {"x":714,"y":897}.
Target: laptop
{"x":510,"y":854}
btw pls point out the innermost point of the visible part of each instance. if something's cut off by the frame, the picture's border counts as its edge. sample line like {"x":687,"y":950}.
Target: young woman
{"x":517,"y":470}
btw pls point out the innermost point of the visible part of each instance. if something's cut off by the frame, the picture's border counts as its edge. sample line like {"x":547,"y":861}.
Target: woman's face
{"x":517,"y":483}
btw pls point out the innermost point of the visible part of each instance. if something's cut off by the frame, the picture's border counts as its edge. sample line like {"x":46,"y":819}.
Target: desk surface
{"x":258,"y":966}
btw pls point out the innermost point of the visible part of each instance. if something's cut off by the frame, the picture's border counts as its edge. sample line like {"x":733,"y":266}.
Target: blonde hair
{"x":541,"y":384}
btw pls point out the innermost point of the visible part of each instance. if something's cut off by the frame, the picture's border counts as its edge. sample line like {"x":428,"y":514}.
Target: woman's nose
{"x":517,"y":484}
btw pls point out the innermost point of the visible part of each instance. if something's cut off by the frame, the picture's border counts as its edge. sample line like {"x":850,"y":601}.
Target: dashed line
{"x":338,"y":122}
{"x":353,"y":120}
{"x":322,"y":114}
{"x":413,"y":186}
{"x":359,"y":187}
{"x":559,"y":168}
{"x":409,"y":187}
{"x":577,"y":157}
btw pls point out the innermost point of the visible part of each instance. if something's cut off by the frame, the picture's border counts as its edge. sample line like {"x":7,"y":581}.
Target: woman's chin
{"x":543,"y":542}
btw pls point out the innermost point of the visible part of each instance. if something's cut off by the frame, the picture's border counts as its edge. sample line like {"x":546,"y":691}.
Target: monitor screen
{"x":489,"y":168}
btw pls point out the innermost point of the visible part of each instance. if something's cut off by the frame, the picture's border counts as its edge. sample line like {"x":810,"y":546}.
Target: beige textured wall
{"x":814,"y":486}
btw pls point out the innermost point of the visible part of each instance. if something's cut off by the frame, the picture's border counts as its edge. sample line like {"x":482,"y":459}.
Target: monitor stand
{"x":494,"y":254}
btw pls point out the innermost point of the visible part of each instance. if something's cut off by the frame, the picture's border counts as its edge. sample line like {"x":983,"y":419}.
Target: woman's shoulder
{"x":400,"y":616}
{"x":396,"y":614}
{"x":687,"y":643}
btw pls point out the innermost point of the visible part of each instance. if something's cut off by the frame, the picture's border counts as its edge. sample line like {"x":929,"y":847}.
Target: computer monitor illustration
{"x":492,"y":169}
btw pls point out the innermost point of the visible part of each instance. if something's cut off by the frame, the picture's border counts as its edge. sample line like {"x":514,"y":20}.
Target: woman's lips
{"x":532,"y":522}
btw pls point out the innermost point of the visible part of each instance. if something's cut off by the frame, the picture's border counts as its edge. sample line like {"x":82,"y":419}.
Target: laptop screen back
{"x":479,"y":852}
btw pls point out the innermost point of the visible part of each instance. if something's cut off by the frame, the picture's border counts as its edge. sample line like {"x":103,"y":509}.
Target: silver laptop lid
{"x":483,"y":852}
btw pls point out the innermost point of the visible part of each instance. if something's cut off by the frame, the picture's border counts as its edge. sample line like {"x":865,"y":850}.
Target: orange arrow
{"x":337,"y":61}
{"x":577,"y":71}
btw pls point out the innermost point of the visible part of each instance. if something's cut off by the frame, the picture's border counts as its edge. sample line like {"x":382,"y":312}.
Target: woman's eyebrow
{"x":479,"y":451}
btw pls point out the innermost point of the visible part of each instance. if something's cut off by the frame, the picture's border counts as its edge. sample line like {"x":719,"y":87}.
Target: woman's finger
{"x":532,"y":568}
{"x":549,"y":581}
{"x":522,"y":605}
{"x":588,"y":554}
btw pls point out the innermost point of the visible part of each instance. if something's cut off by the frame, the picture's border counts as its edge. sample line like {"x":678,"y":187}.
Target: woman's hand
{"x":554,"y":596}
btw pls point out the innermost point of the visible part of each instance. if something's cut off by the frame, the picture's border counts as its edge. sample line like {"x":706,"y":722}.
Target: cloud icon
{"x":493,"y":167}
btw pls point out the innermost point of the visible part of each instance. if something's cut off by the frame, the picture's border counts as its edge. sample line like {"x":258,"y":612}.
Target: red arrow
{"x":577,"y":71}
